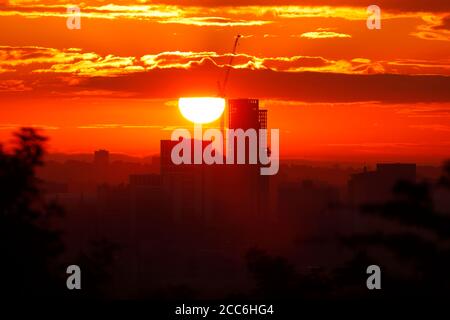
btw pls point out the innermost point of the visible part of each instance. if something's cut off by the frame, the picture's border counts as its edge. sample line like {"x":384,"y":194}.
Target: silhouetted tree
{"x":412,"y":247}
{"x":30,"y":248}
{"x":415,"y":235}
{"x":276,"y":278}
{"x":445,"y":178}
{"x":96,"y":265}
{"x":28,"y":245}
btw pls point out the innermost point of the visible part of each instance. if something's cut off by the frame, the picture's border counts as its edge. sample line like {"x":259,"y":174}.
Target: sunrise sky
{"x":335,"y":89}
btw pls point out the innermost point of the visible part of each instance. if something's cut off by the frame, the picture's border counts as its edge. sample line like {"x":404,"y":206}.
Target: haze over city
{"x":117,"y":181}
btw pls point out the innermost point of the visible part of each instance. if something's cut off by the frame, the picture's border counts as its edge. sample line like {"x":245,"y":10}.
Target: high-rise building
{"x":245,"y":114}
{"x":230,"y":192}
{"x":249,"y":184}
{"x":182,"y":184}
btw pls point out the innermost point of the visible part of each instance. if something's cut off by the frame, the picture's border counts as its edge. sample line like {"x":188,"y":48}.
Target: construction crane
{"x":223,"y":86}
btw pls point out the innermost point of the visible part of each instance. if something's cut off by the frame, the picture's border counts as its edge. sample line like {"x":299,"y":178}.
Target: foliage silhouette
{"x":29,"y":247}
{"x":277,"y":279}
{"x":415,"y":235}
{"x":411,"y":245}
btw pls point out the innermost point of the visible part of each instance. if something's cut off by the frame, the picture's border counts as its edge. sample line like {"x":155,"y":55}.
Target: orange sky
{"x":335,"y":89}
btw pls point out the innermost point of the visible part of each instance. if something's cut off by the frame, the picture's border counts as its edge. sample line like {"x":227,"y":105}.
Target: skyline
{"x":225,"y":153}
{"x":336,"y":90}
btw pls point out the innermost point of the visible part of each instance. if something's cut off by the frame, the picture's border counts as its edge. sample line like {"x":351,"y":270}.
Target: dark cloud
{"x":38,"y":72}
{"x":444,"y":24}
{"x":263,"y":84}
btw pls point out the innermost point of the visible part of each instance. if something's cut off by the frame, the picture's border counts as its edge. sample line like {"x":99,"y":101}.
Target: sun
{"x":201,"y":110}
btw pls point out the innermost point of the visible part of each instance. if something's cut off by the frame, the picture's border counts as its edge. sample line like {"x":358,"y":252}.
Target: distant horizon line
{"x":329,"y":162}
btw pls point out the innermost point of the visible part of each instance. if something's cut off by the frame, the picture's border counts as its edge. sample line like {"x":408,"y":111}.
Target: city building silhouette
{"x":377,"y":186}
{"x":208,"y":193}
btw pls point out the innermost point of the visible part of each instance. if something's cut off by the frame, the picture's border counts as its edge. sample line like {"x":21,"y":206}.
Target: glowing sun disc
{"x":201,"y":110}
